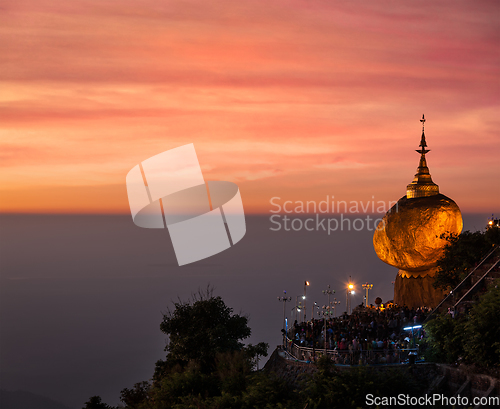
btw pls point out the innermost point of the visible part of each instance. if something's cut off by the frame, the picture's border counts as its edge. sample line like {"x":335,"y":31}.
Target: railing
{"x":357,"y":357}
{"x":476,"y":285}
{"x":461,"y":284}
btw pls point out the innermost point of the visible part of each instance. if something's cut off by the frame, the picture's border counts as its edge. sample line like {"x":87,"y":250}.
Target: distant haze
{"x":81,"y":296}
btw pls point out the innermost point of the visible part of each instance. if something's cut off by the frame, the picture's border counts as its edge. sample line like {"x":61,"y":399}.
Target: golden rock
{"x":408,"y":237}
{"x":416,"y":291}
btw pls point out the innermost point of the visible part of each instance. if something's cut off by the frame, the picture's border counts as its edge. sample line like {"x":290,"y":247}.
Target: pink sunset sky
{"x":296,"y":99}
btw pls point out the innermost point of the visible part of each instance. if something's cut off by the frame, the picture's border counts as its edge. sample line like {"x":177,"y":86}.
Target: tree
{"x":482,"y":344}
{"x":445,"y":339}
{"x":474,"y":337}
{"x":207,"y":365}
{"x":133,"y":398}
{"x":200,"y":330}
{"x":253,"y":352}
{"x":331,"y":388}
{"x":463,"y":252}
{"x":95,"y":402}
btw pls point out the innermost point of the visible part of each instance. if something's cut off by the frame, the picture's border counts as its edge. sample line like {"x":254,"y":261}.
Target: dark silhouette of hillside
{"x":27,"y":400}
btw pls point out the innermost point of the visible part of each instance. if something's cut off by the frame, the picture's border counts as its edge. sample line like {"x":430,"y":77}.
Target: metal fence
{"x":357,"y":357}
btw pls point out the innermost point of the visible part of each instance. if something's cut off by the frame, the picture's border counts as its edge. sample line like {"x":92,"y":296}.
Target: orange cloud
{"x":291,"y":98}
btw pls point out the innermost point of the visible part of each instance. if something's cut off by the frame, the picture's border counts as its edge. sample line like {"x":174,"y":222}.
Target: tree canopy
{"x":475,"y":337}
{"x":208,"y":367}
{"x":200,"y":330}
{"x":95,"y":402}
{"x":463,"y":252}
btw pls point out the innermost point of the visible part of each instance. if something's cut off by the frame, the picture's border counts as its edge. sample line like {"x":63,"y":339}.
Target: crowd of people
{"x":368,"y":333}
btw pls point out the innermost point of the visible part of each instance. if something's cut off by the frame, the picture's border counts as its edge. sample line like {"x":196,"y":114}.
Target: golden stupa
{"x":409,"y":236}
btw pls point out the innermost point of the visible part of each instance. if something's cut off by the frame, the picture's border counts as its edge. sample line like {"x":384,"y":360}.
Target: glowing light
{"x":410,"y":328}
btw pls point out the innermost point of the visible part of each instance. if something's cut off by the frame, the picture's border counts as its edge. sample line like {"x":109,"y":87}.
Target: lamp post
{"x":306,"y":283}
{"x":367,"y":287}
{"x":335,"y":303}
{"x":298,"y":306}
{"x":349,"y":291}
{"x":312,"y":322}
{"x":328,"y":292}
{"x":284,"y":299}
{"x":326,"y":312}
{"x":315,"y":305}
{"x":303,"y":308}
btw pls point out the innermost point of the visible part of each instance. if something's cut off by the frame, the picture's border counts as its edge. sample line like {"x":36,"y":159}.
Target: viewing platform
{"x":387,"y":356}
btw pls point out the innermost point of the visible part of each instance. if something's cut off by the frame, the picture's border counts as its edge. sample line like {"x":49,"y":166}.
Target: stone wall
{"x":288,"y":369}
{"x":438,"y":378}
{"x":462,"y":381}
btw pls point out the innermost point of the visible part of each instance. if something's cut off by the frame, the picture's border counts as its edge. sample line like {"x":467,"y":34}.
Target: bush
{"x":475,"y":338}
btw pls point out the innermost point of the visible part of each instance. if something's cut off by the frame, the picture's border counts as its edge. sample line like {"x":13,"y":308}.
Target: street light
{"x":348,"y":298}
{"x":349,"y":291}
{"x":298,"y":306}
{"x":284,"y":299}
{"x":306,"y":283}
{"x":326,"y":312}
{"x":367,"y":287}
{"x":328,"y":292}
{"x":312,"y":322}
{"x":334,"y":303}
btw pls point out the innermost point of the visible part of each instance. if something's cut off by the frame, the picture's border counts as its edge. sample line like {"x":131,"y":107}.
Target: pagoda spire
{"x":423,"y":144}
{"x":422,"y":184}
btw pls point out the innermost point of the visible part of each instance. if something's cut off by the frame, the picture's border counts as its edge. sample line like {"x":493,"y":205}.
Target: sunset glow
{"x":288,"y":98}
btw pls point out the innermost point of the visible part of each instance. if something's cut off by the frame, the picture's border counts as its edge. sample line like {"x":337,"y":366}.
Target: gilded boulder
{"x":409,"y":235}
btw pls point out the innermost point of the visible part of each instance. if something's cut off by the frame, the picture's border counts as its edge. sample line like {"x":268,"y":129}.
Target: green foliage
{"x":492,"y":235}
{"x":207,"y":365}
{"x":224,"y":377}
{"x":331,"y":388}
{"x":183,"y":385}
{"x":95,"y":402}
{"x":133,"y":398}
{"x":475,"y":338}
{"x":253,"y":352}
{"x":199,"y":331}
{"x":445,"y":339}
{"x":267,"y":391}
{"x":232,"y":385}
{"x":463,"y":252}
{"x":483,"y":329}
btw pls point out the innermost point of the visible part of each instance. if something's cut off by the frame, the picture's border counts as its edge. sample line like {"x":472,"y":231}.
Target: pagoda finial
{"x":422,"y":184}
{"x":423,"y":144}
